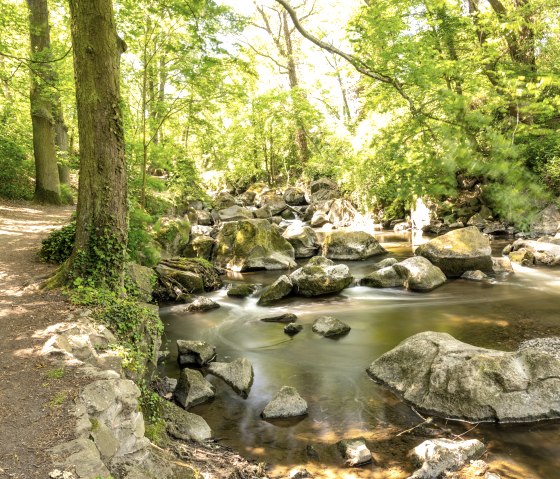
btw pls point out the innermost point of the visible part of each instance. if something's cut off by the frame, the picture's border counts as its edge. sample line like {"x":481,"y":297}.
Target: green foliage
{"x":151,"y":405}
{"x":67,"y":195}
{"x":57,"y":247}
{"x":56,"y":373}
{"x":16,"y":181}
{"x":141,"y":246}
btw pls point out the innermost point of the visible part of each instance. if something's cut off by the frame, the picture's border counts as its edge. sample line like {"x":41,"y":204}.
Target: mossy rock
{"x":142,"y":280}
{"x":172,"y":234}
{"x":178,"y":277}
{"x":351,"y":245}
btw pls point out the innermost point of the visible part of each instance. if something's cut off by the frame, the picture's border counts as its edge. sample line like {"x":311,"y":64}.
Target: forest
{"x":240,"y":204}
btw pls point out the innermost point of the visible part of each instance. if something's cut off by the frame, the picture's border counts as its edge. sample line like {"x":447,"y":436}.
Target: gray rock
{"x":419,"y":274}
{"x":286,"y":403}
{"x":238,"y":374}
{"x":354,"y":451}
{"x":320,"y":276}
{"x":253,"y":244}
{"x":547,"y":221}
{"x":224,"y":200}
{"x":282,"y":318}
{"x":461,"y":250}
{"x":437,"y":373}
{"x":322,"y":184}
{"x":178,"y":277}
{"x":200,"y":247}
{"x":292,"y":329}
{"x":165,"y":387}
{"x":543,"y":253}
{"x":502,"y":265}
{"x":351,"y":245}
{"x":246,"y":199}
{"x":201,"y":304}
{"x":295,"y":196}
{"x":474,"y":275}
{"x":241,"y":290}
{"x":172,"y":234}
{"x":281,"y":288}
{"x":319,"y":219}
{"x":383,"y":278}
{"x":235,"y":213}
{"x":303,"y":239}
{"x":274,"y":205}
{"x":82,"y":456}
{"x":342,"y":213}
{"x":197,"y":353}
{"x":439,"y":456}
{"x":204,"y":218}
{"x":192,"y":389}
{"x":384,"y":263}
{"x":330,"y":327}
{"x":299,"y":473}
{"x":184,"y":425}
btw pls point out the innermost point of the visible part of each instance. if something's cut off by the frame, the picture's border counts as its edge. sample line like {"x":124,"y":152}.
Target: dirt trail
{"x":35,"y":393}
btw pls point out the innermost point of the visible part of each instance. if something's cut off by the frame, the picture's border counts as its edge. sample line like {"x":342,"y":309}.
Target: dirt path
{"x":35,"y":393}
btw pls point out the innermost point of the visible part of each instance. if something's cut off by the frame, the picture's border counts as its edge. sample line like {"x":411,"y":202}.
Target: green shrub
{"x":16,"y":174}
{"x":57,"y":247}
{"x":67,"y":194}
{"x":141,"y":246}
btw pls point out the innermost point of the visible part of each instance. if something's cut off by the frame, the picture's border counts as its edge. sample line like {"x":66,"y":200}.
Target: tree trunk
{"x":99,"y":253}
{"x":47,"y":186}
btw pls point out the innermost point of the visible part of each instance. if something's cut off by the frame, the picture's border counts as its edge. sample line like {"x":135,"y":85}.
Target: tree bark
{"x":47,"y":185}
{"x":99,"y":253}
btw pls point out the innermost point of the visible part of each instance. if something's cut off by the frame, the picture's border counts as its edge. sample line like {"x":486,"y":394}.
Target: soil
{"x":36,"y":393}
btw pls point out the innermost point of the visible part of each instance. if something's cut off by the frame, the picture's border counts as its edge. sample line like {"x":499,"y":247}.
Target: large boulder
{"x":251,"y":245}
{"x":194,"y":353}
{"x":320,"y":276}
{"x":286,"y":403}
{"x":200,"y":247}
{"x":204,"y":218}
{"x":419,"y":274}
{"x":224,"y":200}
{"x":342,"y":213}
{"x":172,"y":234}
{"x":178,"y":277}
{"x":542,"y":252}
{"x":351,"y":245}
{"x":295,"y":196}
{"x":465,"y":249}
{"x":322,"y":190}
{"x":273,"y":204}
{"x":238,"y":374}
{"x":143,"y":280}
{"x":330,"y":327}
{"x":184,"y":425}
{"x":303,"y":239}
{"x":383,"y":278}
{"x":547,"y":221}
{"x":441,"y":375}
{"x":281,"y":288}
{"x":235,"y":213}
{"x":192,"y":389}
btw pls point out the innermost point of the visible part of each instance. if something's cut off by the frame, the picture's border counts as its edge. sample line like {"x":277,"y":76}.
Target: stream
{"x":330,"y":374}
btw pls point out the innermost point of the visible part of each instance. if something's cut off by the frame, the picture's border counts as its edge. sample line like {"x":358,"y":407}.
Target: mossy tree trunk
{"x":99,"y":254}
{"x":47,"y":185}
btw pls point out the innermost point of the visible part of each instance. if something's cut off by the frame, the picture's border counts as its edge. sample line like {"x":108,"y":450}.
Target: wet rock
{"x":330,"y":327}
{"x":195,"y":353}
{"x":242,"y":290}
{"x":184,"y":425}
{"x":303,"y":239}
{"x":437,"y":373}
{"x":192,"y":389}
{"x":384,"y":263}
{"x":354,"y":451}
{"x":201,"y":304}
{"x":319,"y":219}
{"x":547,"y":221}
{"x":295,"y":196}
{"x":502,"y":265}
{"x":320,"y":276}
{"x":466,"y":249}
{"x":238,"y":374}
{"x":383,"y":278}
{"x":282,"y":318}
{"x":351,"y":245}
{"x":281,"y":288}
{"x":419,"y":274}
{"x":292,"y":329}
{"x":544,"y":253}
{"x":286,"y":403}
{"x":235,"y":213}
{"x":438,"y":456}
{"x":474,"y":275}
{"x":522,"y":256}
{"x":251,"y":245}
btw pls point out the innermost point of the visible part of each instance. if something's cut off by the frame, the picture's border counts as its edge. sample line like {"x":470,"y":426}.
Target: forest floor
{"x":35,"y":393}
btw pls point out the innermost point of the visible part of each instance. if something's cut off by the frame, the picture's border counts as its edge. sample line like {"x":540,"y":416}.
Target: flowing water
{"x":330,"y":374}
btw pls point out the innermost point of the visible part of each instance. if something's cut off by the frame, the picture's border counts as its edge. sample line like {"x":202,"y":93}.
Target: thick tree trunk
{"x":101,"y":226}
{"x":47,"y":186}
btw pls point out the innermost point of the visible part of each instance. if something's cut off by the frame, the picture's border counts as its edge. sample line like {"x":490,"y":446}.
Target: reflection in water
{"x":330,"y":374}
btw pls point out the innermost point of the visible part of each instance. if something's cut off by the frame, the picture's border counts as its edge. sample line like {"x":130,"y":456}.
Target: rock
{"x":320,"y":276}
{"x":474,"y":275}
{"x":274,"y":205}
{"x":192,"y":389}
{"x":354,"y":451}
{"x":288,"y":214}
{"x":543,"y":253}
{"x":299,"y":473}
{"x":496,"y":228}
{"x":172,"y":234}
{"x":322,"y":184}
{"x":286,"y":403}
{"x":403,"y":226}
{"x":319,"y":207}
{"x":384,"y":263}
{"x":466,"y":249}
{"x":437,"y":373}
{"x":184,"y":425}
{"x":502,"y":265}
{"x":82,"y":456}
{"x":238,"y":374}
{"x":292,"y":329}
{"x":241,"y":290}
{"x":195,"y":353}
{"x":246,"y":199}
{"x":419,"y":274}
{"x":224,"y":200}
{"x":547,"y":221}
{"x":180,"y":276}
{"x":342,"y":213}
{"x":439,"y":456}
{"x":319,"y":219}
{"x":200,"y":247}
{"x":295,"y":196}
{"x":324,"y":195}
{"x":144,"y":280}
{"x":165,"y":387}
{"x":383,"y":278}
{"x":303,"y":239}
{"x":282,"y":318}
{"x":201,"y":304}
{"x":351,"y":245}
{"x":204,"y":218}
{"x":253,"y":244}
{"x":235,"y":213}
{"x":330,"y":327}
{"x":281,"y":288}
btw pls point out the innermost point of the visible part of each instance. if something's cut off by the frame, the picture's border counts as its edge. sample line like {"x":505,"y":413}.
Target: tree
{"x":99,"y":253}
{"x":47,"y":185}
